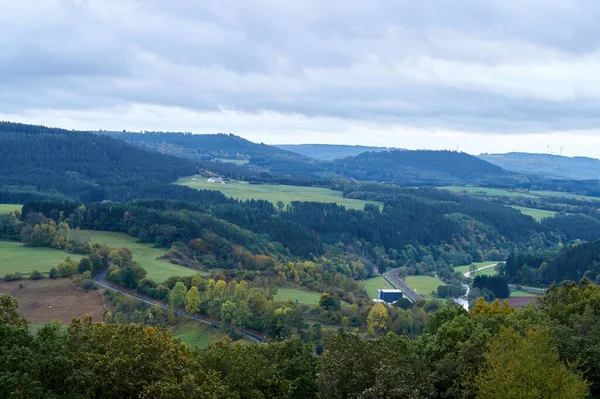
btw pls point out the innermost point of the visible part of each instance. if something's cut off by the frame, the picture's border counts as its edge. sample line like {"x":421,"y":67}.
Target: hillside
{"x":424,"y":168}
{"x":40,"y":162}
{"x":547,"y":165}
{"x":329,"y":152}
{"x":222,"y":148}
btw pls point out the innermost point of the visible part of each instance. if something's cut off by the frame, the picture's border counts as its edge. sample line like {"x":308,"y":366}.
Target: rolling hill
{"x":547,"y":165}
{"x":329,"y":152}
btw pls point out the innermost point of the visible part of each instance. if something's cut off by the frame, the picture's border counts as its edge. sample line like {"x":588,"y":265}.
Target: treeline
{"x":490,"y":352}
{"x":571,"y":263}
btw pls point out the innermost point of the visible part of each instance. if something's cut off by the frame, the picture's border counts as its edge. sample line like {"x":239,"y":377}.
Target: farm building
{"x":389,"y":296}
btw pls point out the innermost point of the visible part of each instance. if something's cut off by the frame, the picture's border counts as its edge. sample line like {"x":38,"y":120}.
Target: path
{"x":468,"y":274}
{"x":393,"y":279}
{"x":102,"y":282}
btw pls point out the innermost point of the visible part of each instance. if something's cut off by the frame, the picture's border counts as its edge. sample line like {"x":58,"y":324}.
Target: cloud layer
{"x":399,"y":73}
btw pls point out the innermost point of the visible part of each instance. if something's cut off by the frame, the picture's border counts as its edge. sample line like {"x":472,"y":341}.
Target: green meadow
{"x":303,"y":297}
{"x":374,"y":284}
{"x":18,"y":258}
{"x":8,"y":208}
{"x":423,"y":285}
{"x":275,"y":192}
{"x":537,"y":214}
{"x":144,"y":254}
{"x":490,"y":192}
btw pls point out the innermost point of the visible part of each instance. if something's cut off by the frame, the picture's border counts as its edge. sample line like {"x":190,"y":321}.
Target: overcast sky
{"x":483,"y":76}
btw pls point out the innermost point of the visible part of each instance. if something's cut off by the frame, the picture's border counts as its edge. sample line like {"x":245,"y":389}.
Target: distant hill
{"x":222,"y":148}
{"x":424,"y":167}
{"x":40,"y":162}
{"x":547,"y":165}
{"x":329,"y":152}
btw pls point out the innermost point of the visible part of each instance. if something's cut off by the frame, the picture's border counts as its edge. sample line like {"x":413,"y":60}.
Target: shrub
{"x":35,"y":275}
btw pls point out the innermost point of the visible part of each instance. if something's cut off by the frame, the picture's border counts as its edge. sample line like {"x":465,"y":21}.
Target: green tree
{"x":192,"y":300}
{"x":526,"y":367}
{"x":329,"y":301}
{"x":228,"y":310}
{"x":178,"y":295}
{"x":9,"y":312}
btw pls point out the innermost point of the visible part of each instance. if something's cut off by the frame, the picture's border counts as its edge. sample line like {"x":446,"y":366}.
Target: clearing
{"x":144,"y":254}
{"x":8,"y":208}
{"x":490,"y":192}
{"x":275,"y":192}
{"x":201,"y":335}
{"x":303,"y":297}
{"x":374,"y":284}
{"x":537,"y":214}
{"x":18,"y":258}
{"x":565,"y":195}
{"x":66,"y":301}
{"x":231,"y":160}
{"x":423,"y":285}
{"x":465,"y":268}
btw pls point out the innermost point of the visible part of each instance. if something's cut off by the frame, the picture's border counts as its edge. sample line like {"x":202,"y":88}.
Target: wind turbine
{"x":549,"y":149}
{"x":561,"y":150}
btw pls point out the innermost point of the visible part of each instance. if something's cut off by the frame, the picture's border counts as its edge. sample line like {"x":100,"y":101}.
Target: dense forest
{"x":490,"y":352}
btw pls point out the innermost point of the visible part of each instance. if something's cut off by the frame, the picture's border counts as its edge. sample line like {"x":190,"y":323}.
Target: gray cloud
{"x":508,"y":66}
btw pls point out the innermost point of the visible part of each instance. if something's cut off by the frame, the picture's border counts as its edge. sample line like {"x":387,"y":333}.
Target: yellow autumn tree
{"x":378,"y":320}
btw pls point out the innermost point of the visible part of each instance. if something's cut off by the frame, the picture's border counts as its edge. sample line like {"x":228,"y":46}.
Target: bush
{"x":53,"y":273}
{"x":89,"y":285}
{"x":35,"y":275}
{"x":13,"y":276}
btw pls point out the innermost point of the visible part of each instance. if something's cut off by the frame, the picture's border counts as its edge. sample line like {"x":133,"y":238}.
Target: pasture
{"x":537,"y":214}
{"x":423,"y":285}
{"x":565,"y":195}
{"x":230,"y":160}
{"x":489,"y":192}
{"x":198,"y":334}
{"x":275,"y":192}
{"x":374,"y":284}
{"x":144,"y":254}
{"x":465,"y":268}
{"x":303,"y":297}
{"x":18,"y":258}
{"x":8,"y":208}
{"x":66,"y":302}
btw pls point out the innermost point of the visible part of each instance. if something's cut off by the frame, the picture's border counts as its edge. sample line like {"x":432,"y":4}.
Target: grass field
{"x":275,"y":192}
{"x":374,"y":284}
{"x":537,"y":214}
{"x":464,"y":269}
{"x":8,"y":208}
{"x":197,"y":334}
{"x":564,"y":195}
{"x":423,"y":285}
{"x":303,"y":297}
{"x":492,"y":192}
{"x":14,"y":257}
{"x":229,"y":160}
{"x":144,"y":254}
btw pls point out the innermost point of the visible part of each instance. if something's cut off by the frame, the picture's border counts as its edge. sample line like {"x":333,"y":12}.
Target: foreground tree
{"x":527,"y":367}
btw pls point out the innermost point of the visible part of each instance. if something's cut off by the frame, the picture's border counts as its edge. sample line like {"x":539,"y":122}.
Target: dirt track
{"x":66,"y":302}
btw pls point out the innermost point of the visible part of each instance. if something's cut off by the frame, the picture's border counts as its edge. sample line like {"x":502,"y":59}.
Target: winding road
{"x":103,"y":283}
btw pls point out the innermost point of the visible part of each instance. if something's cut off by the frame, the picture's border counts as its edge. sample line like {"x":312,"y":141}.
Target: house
{"x":389,"y":296}
{"x":216,"y":180}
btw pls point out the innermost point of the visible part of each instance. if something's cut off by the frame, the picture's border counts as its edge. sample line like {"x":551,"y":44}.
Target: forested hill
{"x":329,"y":152}
{"x":547,"y":165}
{"x":40,"y":162}
{"x":224,"y":148}
{"x":424,"y":168}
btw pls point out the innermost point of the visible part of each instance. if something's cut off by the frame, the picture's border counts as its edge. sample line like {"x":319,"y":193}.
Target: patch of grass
{"x":423,"y":285}
{"x":8,"y":208}
{"x":564,"y":195}
{"x":537,"y":214}
{"x":17,"y":258}
{"x":465,"y":268}
{"x":490,"y":192}
{"x":230,"y":160}
{"x":197,"y":334}
{"x":521,"y":293}
{"x":303,"y":297}
{"x":144,"y":254}
{"x":374,"y":284}
{"x":275,"y":192}
{"x":36,"y":326}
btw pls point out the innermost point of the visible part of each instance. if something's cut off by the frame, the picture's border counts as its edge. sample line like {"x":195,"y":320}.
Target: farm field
{"x":275,"y":192}
{"x":229,"y":160}
{"x":8,"y":208}
{"x":465,"y":268}
{"x":66,"y":301}
{"x":374,"y":284}
{"x":198,"y":334}
{"x":18,"y":258}
{"x":491,"y":192}
{"x":303,"y":297}
{"x":537,"y":214}
{"x":144,"y":254}
{"x":423,"y":285}
{"x":564,"y":195}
